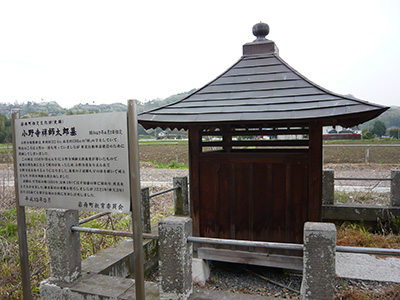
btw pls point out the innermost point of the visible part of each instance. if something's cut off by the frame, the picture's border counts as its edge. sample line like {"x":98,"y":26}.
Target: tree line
{"x":387,"y":124}
{"x":5,"y":129}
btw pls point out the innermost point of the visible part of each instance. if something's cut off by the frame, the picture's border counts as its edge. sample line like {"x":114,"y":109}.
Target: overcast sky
{"x":98,"y":51}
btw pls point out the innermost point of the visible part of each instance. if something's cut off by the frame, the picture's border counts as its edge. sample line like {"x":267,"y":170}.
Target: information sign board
{"x":74,"y":162}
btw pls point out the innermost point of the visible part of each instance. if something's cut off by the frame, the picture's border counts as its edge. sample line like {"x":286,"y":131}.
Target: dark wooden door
{"x":260,"y":196}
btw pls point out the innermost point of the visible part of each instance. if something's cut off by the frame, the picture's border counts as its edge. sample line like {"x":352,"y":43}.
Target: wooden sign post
{"x":135,"y":197}
{"x":21,"y":222}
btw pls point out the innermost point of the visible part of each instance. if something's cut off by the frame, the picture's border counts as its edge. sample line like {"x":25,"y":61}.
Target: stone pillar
{"x":64,"y":245}
{"x":395,"y":188}
{"x":175,"y":258}
{"x":319,"y":260}
{"x":181,"y":198}
{"x":328,"y":187}
{"x":145,"y":210}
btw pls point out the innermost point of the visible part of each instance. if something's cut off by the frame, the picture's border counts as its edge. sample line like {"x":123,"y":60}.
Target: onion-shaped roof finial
{"x":260,"y":30}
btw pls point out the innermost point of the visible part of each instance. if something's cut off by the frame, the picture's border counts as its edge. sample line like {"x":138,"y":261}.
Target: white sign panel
{"x":74,"y":162}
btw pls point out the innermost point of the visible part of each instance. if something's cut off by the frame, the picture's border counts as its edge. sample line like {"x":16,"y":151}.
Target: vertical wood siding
{"x":252,"y":196}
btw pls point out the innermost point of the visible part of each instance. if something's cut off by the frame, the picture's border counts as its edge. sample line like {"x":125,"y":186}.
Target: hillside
{"x":391,"y":117}
{"x":144,"y":106}
{"x":48,"y":108}
{"x":54,"y":109}
{"x":96,"y":108}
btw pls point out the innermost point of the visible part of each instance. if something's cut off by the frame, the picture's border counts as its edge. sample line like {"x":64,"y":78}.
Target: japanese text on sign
{"x":74,"y":162}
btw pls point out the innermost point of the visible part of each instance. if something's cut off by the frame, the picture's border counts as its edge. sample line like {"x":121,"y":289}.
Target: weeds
{"x":38,"y":256}
{"x":93,"y":243}
{"x":361,"y":197}
{"x":386,"y":293}
{"x":10,"y":278}
{"x":390,"y":225}
{"x":171,"y":165}
{"x":352,"y":234}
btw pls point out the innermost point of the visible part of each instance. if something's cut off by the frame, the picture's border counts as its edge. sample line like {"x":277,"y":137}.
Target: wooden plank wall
{"x":252,"y":196}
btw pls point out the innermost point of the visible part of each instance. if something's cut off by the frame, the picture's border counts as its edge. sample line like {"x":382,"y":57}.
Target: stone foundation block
{"x":64,"y":245}
{"x":319,"y":261}
{"x":175,"y":255}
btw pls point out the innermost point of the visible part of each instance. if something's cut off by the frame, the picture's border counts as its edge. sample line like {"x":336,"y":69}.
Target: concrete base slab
{"x":118,"y":260}
{"x":200,"y":270}
{"x":204,"y":294}
{"x":368,"y":267}
{"x":96,"y":286}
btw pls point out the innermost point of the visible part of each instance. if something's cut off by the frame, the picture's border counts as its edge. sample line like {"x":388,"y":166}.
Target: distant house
{"x":340,"y":133}
{"x":166,"y":135}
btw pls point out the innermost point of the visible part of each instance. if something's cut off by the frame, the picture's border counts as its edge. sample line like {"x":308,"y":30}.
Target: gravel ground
{"x":150,"y":174}
{"x":241,"y":278}
{"x":283,"y":284}
{"x":362,"y":171}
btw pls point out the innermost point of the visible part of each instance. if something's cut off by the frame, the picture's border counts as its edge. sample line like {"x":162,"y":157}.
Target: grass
{"x":38,"y":256}
{"x":164,"y":142}
{"x":10,"y":276}
{"x":93,"y":243}
{"x":365,"y":142}
{"x":37,"y":247}
{"x":5,"y":145}
{"x":6,"y":150}
{"x":171,"y":165}
{"x":361,"y":197}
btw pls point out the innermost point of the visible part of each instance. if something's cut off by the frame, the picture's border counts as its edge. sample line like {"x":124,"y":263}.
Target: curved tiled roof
{"x":261,"y":88}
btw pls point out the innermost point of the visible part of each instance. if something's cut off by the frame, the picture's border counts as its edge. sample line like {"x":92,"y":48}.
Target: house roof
{"x":261,"y":88}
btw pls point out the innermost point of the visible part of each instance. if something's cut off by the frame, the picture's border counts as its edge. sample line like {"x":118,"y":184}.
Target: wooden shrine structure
{"x":255,"y":145}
